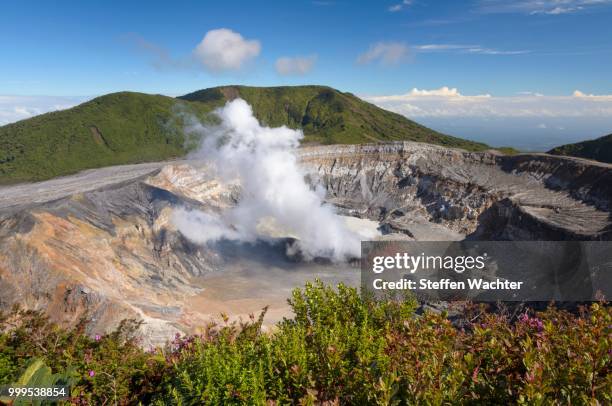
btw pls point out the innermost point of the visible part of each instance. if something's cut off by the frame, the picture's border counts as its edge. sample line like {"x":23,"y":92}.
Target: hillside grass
{"x":127,"y":127}
{"x":338,"y":348}
{"x":328,"y":116}
{"x":118,"y":128}
{"x":599,"y":149}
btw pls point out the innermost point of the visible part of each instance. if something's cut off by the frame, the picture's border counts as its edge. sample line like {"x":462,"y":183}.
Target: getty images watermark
{"x":489,"y":271}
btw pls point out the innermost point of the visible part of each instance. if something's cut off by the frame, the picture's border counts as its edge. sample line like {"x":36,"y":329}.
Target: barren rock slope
{"x":481,"y":195}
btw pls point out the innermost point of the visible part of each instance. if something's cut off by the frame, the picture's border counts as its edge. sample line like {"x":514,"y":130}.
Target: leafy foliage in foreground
{"x":338,"y":348}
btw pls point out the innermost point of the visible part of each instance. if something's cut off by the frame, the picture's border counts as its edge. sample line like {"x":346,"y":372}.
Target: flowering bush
{"x":337,"y":348}
{"x":106,"y":369}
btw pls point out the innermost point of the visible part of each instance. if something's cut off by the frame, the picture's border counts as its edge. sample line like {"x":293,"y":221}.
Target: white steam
{"x":273,"y":189}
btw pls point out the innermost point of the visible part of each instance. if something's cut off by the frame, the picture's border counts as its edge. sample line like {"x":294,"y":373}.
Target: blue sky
{"x":529,"y":56}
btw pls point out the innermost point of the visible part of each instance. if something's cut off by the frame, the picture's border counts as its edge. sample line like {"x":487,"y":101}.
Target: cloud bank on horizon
{"x":15,"y":108}
{"x":529,"y":120}
{"x":449,"y":102}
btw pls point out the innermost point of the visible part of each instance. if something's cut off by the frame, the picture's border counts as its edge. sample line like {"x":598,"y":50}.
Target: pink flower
{"x":92,"y":373}
{"x":98,"y":337}
{"x":475,"y":374}
{"x":532,"y":322}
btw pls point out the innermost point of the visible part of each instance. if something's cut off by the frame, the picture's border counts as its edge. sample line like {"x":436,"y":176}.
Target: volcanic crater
{"x":101,"y":243}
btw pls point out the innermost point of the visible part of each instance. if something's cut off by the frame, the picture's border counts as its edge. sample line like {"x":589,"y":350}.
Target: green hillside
{"x":128,"y":127}
{"x":327,"y":116}
{"x":599,"y":149}
{"x":113,"y":129}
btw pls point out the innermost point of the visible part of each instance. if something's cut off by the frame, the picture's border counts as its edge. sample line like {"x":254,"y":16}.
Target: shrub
{"x":103,"y":369}
{"x":338,"y":348}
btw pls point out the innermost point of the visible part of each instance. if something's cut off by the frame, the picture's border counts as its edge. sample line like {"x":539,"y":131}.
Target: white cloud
{"x":15,"y":108}
{"x":557,"y":10}
{"x":449,"y":102}
{"x":386,"y":53}
{"x":442,"y":47}
{"x":469,"y":49}
{"x":299,"y":65}
{"x":220,"y":50}
{"x":223,"y":49}
{"x":489,"y":51}
{"x":398,"y":7}
{"x":601,"y":97}
{"x":534,"y":7}
{"x":443,"y":93}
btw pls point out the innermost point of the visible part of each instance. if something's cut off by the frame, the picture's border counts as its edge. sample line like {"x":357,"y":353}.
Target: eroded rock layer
{"x":479,"y":195}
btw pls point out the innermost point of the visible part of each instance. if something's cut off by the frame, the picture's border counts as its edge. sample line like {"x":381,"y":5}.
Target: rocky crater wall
{"x":478,"y":195}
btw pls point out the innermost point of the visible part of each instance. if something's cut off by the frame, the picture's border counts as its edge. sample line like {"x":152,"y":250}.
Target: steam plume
{"x":264,"y":161}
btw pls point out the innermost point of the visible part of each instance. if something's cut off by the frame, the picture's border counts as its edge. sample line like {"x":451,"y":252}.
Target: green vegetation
{"x":39,"y":375}
{"x":508,"y":150}
{"x":337,"y":349}
{"x":127,"y":127}
{"x":101,"y":370}
{"x":327,"y":116}
{"x":114,"y":129}
{"x":599,"y":149}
